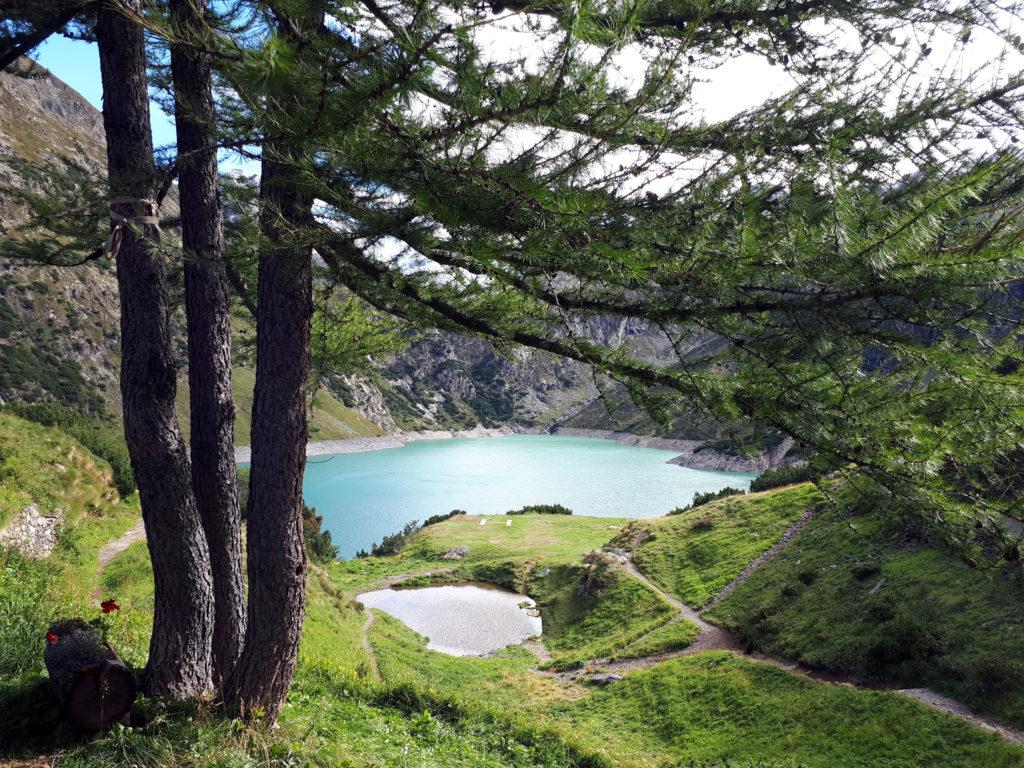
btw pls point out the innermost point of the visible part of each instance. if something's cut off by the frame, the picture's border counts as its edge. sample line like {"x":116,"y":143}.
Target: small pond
{"x":463,"y":619}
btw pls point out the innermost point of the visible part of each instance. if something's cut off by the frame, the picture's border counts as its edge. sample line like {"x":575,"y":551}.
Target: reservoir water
{"x":463,"y":619}
{"x":366,"y":496}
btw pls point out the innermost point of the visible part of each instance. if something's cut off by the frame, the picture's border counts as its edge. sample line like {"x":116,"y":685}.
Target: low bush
{"x":318,"y":541}
{"x":780,"y":476}
{"x":700,"y":499}
{"x":393,"y":543}
{"x":702,"y":525}
{"x":435,"y":519}
{"x":541,"y":509}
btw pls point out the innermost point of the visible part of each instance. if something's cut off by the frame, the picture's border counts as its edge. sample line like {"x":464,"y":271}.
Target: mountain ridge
{"x":59,"y":328}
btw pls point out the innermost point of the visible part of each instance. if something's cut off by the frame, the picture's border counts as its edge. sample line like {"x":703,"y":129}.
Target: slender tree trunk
{"x":284,"y":306}
{"x":179,"y":653}
{"x":276,"y":551}
{"x":212,"y":407}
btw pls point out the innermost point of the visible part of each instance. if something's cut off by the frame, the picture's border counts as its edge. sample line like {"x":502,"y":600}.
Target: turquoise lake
{"x":366,"y":496}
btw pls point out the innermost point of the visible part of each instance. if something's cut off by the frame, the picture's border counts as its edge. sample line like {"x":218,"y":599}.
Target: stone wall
{"x":33,"y":532}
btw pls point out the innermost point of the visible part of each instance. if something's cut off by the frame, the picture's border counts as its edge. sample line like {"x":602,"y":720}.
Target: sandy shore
{"x":383,"y":442}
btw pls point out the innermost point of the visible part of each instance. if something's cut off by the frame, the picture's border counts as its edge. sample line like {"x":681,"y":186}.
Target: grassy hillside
{"x":329,"y":419}
{"x":866,"y":596}
{"x":42,"y":466}
{"x":695,"y":554}
{"x":368,"y":693}
{"x":708,"y":709}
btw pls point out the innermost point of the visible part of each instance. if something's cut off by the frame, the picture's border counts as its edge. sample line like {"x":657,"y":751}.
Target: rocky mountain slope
{"x":59,"y":337}
{"x":59,"y":326}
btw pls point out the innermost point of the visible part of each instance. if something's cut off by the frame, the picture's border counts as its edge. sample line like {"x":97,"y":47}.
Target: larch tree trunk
{"x":284,"y":305}
{"x":179,"y":652}
{"x":275,"y":546}
{"x":212,"y":407}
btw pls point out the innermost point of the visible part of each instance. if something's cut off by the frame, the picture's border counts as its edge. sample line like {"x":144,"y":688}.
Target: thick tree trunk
{"x":276,"y":551}
{"x":212,"y":407}
{"x":284,"y":306}
{"x":179,"y":652}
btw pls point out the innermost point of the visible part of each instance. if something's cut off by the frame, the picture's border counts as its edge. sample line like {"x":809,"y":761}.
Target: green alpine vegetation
{"x":368,"y":692}
{"x":696,"y":553}
{"x":860,"y":593}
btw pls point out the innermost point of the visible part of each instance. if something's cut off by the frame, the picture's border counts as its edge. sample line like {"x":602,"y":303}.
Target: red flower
{"x":109,"y":606}
{"x":51,"y":637}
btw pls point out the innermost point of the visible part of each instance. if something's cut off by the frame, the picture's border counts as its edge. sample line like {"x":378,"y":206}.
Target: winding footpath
{"x":112,"y":549}
{"x":368,"y":647}
{"x":714,"y":638}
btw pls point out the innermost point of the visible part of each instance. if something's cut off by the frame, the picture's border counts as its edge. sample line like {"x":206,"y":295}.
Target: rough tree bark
{"x":212,"y":407}
{"x":179,"y":653}
{"x":275,"y":546}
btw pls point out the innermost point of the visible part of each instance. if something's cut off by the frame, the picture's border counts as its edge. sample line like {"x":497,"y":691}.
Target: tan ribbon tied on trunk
{"x":146,"y":212}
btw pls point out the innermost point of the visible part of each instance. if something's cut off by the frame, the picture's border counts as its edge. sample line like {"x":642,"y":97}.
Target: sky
{"x":742,"y":83}
{"x":77,"y":63}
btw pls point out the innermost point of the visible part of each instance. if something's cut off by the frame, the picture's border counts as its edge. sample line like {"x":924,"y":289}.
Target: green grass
{"x":42,"y":465}
{"x":329,"y":420}
{"x":710,"y":709}
{"x":695,"y":554}
{"x":332,"y":634}
{"x":713,"y":707}
{"x":530,"y":538}
{"x":128,"y":579}
{"x":596,"y":626}
{"x":932,"y":620}
{"x":665,"y":639}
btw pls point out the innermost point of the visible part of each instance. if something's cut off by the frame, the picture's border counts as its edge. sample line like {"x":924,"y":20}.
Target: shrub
{"x":902,"y":640}
{"x":789,"y":474}
{"x":434,"y":519}
{"x":863,"y":571}
{"x":318,"y":542}
{"x":393,"y":543}
{"x":541,"y":509}
{"x":807,"y":577}
{"x":700,"y":499}
{"x":990,"y":676}
{"x":702,"y":525}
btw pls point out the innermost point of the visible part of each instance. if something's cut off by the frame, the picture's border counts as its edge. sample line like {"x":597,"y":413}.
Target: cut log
{"x":94,"y":687}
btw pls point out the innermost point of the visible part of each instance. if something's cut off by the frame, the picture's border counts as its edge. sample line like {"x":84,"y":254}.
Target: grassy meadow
{"x":368,"y":693}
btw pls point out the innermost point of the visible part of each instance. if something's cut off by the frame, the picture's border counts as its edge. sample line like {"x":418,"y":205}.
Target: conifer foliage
{"x":839,"y":261}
